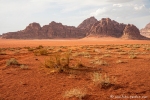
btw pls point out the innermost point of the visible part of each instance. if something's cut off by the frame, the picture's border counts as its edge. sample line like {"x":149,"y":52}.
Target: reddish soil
{"x":132,"y":81}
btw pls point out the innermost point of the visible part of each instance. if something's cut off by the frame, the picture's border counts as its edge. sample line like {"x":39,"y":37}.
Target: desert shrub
{"x":58,"y":63}
{"x":24,"y":67}
{"x":106,"y":55}
{"x":132,"y":56}
{"x":102,"y":81}
{"x":2,"y":53}
{"x":12,"y":61}
{"x":120,"y":61}
{"x":79,"y":64}
{"x":101,"y":62}
{"x":78,"y":93}
{"x":41,"y":52}
{"x":123,"y":53}
{"x":30,"y":49}
{"x":147,"y":49}
{"x":40,"y":47}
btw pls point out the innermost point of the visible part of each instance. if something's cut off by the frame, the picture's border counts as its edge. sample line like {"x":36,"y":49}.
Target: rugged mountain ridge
{"x":53,"y":30}
{"x":87,"y":23}
{"x":110,"y":28}
{"x":107,"y":27}
{"x":90,"y":27}
{"x":145,"y":31}
{"x":132,"y":32}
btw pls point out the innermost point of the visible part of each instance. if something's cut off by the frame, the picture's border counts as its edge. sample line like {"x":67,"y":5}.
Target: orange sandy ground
{"x":132,"y":81}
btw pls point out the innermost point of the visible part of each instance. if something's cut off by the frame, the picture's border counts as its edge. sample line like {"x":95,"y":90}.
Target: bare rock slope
{"x":88,"y":23}
{"x":107,"y":27}
{"x":110,"y":28}
{"x":53,"y":30}
{"x":146,"y":31}
{"x":132,"y":32}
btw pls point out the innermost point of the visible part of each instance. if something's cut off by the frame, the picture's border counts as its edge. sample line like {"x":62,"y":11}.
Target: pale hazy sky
{"x":15,"y":15}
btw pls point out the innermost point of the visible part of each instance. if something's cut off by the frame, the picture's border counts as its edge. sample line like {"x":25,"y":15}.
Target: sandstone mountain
{"x":132,"y":32}
{"x":88,"y":23}
{"x":110,"y":28}
{"x":90,"y":27}
{"x":53,"y":30}
{"x":146,"y":31}
{"x":107,"y":27}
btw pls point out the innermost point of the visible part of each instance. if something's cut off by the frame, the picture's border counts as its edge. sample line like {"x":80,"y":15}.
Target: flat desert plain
{"x":83,"y":69}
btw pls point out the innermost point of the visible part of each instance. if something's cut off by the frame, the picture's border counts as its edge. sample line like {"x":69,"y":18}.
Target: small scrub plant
{"x":2,"y":53}
{"x":40,"y":47}
{"x":101,"y":62}
{"x":12,"y":61}
{"x":123,"y":53}
{"x":79,"y":65}
{"x":24,"y":67}
{"x":120,"y":61}
{"x":78,"y":93}
{"x":41,"y":52}
{"x":58,"y":63}
{"x":147,"y":49}
{"x":132,"y":56}
{"x":30,"y":49}
{"x":106,"y":55}
{"x":102,"y":81}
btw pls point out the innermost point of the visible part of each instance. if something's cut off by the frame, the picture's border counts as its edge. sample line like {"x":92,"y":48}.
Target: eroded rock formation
{"x":107,"y":27}
{"x":146,"y":31}
{"x":89,"y":27}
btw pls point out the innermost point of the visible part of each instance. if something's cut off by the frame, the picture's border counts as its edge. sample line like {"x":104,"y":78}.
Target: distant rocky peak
{"x":33,"y":26}
{"x":147,"y":26}
{"x":87,"y":23}
{"x":54,"y":23}
{"x":105,"y":19}
{"x":91,"y":19}
{"x":146,"y":31}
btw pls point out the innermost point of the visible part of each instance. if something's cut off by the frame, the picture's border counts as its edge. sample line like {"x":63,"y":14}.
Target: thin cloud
{"x":17,"y":14}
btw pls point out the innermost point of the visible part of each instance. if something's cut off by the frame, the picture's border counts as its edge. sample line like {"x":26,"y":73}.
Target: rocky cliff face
{"x":132,"y":32}
{"x":110,"y":28}
{"x":89,"y":27}
{"x":32,"y":31}
{"x":88,"y":23}
{"x":57,"y":30}
{"x":53,"y":30}
{"x":107,"y":27}
{"x":145,"y":31}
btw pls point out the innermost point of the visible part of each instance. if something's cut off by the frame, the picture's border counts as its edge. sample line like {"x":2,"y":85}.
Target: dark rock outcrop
{"x":32,"y":31}
{"x":88,"y":23}
{"x":53,"y":30}
{"x":110,"y":28}
{"x":89,"y":27}
{"x":107,"y":27}
{"x":146,"y":31}
{"x":132,"y":32}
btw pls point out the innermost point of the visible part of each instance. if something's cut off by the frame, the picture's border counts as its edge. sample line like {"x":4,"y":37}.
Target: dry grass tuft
{"x":78,"y":93}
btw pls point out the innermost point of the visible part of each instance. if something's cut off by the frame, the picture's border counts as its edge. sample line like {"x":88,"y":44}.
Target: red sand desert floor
{"x":111,"y":69}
